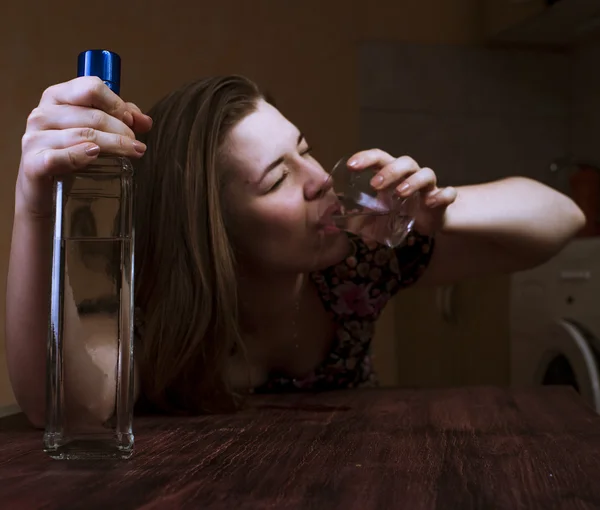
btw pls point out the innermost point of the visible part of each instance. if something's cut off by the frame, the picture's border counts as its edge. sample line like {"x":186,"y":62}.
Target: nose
{"x":317,"y":183}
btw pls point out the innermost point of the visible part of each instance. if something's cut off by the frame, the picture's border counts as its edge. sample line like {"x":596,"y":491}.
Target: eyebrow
{"x":278,"y":161}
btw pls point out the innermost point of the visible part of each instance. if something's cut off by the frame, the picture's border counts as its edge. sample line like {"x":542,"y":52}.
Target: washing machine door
{"x":570,"y":357}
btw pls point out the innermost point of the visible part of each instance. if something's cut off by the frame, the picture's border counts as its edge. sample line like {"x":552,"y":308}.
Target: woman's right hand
{"x":72,"y":124}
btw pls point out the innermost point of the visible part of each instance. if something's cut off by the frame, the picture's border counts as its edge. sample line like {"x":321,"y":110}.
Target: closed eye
{"x":279,"y":182}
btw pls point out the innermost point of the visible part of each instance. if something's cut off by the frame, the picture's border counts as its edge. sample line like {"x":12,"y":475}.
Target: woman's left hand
{"x":407,"y":177}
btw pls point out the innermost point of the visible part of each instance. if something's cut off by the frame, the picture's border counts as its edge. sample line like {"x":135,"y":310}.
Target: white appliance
{"x":555,"y":322}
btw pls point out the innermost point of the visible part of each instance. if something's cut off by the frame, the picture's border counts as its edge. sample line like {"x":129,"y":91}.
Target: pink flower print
{"x":318,"y":278}
{"x":342,"y":271}
{"x":357,"y":350}
{"x":375,"y":274}
{"x":371,"y":244}
{"x":353,"y":298}
{"x":391,"y":286}
{"x":367,"y":362}
{"x":379,"y":303}
{"x":361,"y":331}
{"x":351,"y":363}
{"x":363,"y":269}
{"x":306,"y":382}
{"x":354,"y":327}
{"x":382,"y":257}
{"x":343,"y":335}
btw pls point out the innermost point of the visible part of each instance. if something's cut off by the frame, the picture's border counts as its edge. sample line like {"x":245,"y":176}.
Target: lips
{"x":326,"y":221}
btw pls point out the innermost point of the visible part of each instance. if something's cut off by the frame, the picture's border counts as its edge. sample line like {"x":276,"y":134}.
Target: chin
{"x":331,"y":250}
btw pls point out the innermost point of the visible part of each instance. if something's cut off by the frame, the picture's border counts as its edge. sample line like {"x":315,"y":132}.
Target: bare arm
{"x":498,"y":227}
{"x":59,"y":136}
{"x":27,"y":306}
{"x":501,"y":227}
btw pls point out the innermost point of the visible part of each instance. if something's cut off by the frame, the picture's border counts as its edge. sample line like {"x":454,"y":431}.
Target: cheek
{"x":270,"y":221}
{"x":281,"y":235}
{"x":283,"y":218}
{"x":278,"y":219}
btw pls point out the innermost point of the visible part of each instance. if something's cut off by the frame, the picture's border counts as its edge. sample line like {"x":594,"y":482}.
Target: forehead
{"x":259,"y":138}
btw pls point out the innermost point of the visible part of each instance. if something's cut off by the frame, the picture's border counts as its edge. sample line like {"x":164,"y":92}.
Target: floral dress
{"x":354,"y":293}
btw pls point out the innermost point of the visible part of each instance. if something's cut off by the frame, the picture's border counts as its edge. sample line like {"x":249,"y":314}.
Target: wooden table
{"x":480,"y":448}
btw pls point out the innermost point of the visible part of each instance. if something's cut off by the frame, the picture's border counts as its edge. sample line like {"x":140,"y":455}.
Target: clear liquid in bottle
{"x":90,"y":345}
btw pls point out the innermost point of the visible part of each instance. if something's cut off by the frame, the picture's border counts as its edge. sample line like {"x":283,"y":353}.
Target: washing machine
{"x":555,"y":322}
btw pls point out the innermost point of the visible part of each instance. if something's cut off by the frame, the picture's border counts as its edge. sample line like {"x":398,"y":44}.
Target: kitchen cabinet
{"x":451,"y":336}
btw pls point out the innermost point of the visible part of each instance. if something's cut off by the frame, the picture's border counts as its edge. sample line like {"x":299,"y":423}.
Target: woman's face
{"x":273,"y":196}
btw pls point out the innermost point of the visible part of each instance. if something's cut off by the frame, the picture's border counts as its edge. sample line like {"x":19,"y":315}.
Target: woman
{"x":239,"y":287}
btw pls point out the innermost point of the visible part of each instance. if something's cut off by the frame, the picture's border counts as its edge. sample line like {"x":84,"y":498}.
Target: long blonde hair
{"x":186,"y":289}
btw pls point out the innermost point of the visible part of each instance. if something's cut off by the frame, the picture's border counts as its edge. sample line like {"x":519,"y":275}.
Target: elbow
{"x":32,"y":404}
{"x":577,"y":219}
{"x":569,"y":224}
{"x":556,"y":209}
{"x":36,"y":417}
{"x":566,"y":227}
{"x":37,"y":422}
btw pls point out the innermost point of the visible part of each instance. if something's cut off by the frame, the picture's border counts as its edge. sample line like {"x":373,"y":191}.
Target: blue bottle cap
{"x":102,"y":63}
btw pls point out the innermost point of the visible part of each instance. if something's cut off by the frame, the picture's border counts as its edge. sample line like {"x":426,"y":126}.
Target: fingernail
{"x":92,"y":150}
{"x":431,"y":202}
{"x":128,"y":119}
{"x":403,"y":188}
{"x":377,"y":181}
{"x":139,"y":146}
{"x":353,"y":162}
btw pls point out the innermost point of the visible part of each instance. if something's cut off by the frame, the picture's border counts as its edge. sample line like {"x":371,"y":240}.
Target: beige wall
{"x":304,"y":52}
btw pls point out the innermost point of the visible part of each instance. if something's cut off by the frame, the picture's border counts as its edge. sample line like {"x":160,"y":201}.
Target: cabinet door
{"x":426,"y":350}
{"x":466,"y":345}
{"x":482,"y":331}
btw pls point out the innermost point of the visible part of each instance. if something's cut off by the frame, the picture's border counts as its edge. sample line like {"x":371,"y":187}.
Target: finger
{"x":134,"y":107}
{"x":442,"y":198}
{"x":423,"y":180}
{"x":60,"y":161}
{"x":372,"y":157}
{"x":142,"y":123}
{"x":395,"y":172}
{"x":109,"y":143}
{"x":429,"y":195}
{"x":91,"y":92}
{"x":67,"y":116}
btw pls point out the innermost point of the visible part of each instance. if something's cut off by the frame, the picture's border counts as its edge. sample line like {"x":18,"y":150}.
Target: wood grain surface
{"x":480,"y":448}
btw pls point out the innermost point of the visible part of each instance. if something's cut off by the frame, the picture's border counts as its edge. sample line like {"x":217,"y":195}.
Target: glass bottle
{"x":89,"y":384}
